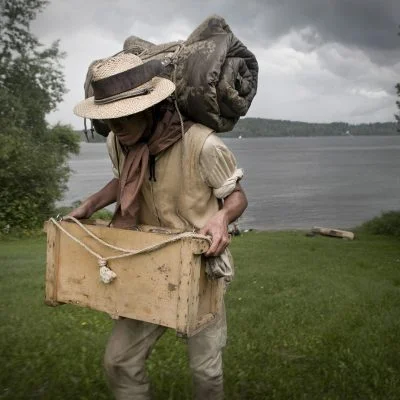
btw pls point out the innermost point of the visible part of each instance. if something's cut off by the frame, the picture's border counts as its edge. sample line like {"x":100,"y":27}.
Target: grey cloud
{"x":368,"y":24}
{"x":355,"y":42}
{"x":371,"y":108}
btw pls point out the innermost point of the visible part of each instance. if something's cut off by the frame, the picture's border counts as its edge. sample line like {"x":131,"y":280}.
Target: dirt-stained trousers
{"x":131,"y":342}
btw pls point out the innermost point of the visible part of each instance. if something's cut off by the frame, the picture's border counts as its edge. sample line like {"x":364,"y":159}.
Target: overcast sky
{"x":320,"y":60}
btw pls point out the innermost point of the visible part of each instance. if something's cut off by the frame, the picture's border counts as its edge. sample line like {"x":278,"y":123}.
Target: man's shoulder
{"x":196,"y":135}
{"x":197,"y":127}
{"x":205,"y":137}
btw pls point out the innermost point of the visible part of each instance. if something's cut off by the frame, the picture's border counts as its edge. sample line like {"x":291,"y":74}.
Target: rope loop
{"x":106,"y":274}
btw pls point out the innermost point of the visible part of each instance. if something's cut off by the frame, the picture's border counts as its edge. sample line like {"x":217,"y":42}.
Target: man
{"x":169,"y":172}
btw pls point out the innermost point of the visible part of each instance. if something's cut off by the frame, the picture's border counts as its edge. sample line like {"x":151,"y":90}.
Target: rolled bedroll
{"x":214,"y":73}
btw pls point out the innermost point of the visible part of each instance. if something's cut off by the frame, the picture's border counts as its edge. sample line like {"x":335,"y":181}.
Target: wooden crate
{"x":167,"y":286}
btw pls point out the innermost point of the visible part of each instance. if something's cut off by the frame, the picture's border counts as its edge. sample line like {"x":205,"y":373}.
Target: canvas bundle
{"x":214,"y":73}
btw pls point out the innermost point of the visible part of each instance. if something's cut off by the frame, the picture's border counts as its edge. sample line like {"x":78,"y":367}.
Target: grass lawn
{"x":308,"y":318}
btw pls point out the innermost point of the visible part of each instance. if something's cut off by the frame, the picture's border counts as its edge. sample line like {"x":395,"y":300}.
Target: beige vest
{"x":179,"y":198}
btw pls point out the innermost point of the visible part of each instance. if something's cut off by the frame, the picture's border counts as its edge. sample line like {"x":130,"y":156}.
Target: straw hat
{"x":124,"y":85}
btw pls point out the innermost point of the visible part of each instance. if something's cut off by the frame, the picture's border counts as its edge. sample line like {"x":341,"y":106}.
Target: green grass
{"x":308,"y":318}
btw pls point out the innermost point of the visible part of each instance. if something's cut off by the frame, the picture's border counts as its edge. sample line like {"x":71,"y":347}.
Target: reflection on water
{"x":290,"y":182}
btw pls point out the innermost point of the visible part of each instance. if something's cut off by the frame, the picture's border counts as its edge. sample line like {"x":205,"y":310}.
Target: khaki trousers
{"x":131,"y":342}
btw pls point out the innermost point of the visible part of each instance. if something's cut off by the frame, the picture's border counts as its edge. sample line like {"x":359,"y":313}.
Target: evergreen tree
{"x":398,"y":105}
{"x":398,"y":102}
{"x":33,"y":155}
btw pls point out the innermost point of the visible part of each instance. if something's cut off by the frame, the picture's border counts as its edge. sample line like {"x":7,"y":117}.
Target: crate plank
{"x":53,"y":241}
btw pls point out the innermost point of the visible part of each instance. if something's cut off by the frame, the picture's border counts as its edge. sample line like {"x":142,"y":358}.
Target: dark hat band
{"x":126,"y":80}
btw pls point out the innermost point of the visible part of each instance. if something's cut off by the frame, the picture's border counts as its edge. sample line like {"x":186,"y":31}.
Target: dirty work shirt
{"x":191,"y":176}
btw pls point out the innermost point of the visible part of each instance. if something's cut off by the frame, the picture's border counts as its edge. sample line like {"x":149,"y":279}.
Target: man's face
{"x":130,"y":129}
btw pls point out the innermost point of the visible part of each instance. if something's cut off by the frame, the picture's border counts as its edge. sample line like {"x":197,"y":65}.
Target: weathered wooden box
{"x":167,"y":286}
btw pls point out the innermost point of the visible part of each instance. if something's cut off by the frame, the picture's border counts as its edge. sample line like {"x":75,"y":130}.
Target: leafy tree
{"x":398,"y":102}
{"x":33,"y":155}
{"x":398,"y":105}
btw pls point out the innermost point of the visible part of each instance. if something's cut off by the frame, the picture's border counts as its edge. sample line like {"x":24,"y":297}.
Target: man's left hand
{"x":217,"y":228}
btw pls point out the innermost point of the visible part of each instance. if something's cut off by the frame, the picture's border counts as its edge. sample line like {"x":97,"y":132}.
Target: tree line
{"x":397,"y":116}
{"x":260,"y":127}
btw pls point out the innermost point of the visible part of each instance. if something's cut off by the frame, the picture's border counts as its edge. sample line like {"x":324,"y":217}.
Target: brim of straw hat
{"x":162,"y":88}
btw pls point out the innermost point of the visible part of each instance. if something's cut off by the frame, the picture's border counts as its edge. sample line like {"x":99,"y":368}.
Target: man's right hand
{"x":81,"y":212}
{"x":105,"y":196}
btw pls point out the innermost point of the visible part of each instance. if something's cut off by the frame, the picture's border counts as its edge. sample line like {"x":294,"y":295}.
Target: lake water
{"x":291,"y":183}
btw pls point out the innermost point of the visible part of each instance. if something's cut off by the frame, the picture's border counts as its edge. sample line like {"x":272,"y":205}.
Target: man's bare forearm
{"x":104,"y":197}
{"x":235,"y":204}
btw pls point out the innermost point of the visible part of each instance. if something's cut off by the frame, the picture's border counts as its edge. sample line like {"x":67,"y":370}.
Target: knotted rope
{"x":106,"y":274}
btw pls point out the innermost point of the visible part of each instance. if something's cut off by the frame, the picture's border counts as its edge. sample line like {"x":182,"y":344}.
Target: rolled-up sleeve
{"x":218,"y":167}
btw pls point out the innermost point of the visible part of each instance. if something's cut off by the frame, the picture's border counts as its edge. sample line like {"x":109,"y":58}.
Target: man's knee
{"x":207,"y":366}
{"x":127,"y":350}
{"x":208,"y":382}
{"x":126,"y":377}
{"x":110,"y":362}
{"x":122,"y":366}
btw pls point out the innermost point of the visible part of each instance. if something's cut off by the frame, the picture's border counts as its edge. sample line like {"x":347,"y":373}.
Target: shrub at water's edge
{"x":388,"y":223}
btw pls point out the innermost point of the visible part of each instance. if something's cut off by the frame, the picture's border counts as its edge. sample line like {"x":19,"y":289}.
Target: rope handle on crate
{"x":106,"y":274}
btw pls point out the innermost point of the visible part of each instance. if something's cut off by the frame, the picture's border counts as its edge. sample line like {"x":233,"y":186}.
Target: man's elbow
{"x":242,"y":195}
{"x":245,"y":202}
{"x":241,"y":199}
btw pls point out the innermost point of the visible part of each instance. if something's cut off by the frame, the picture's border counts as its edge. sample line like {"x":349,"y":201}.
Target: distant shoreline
{"x":261,"y":127}
{"x":228,"y":135}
